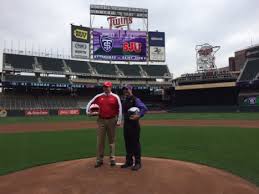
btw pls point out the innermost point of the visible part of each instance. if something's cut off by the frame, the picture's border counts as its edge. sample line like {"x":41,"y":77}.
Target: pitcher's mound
{"x":157,"y":176}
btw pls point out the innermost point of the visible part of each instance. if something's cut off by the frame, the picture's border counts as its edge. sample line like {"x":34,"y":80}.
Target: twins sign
{"x":119,"y":45}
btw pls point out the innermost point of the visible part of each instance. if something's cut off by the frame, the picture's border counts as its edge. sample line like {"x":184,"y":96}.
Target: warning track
{"x":73,"y":125}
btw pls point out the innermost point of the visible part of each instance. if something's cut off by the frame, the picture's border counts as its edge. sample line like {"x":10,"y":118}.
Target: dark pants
{"x":132,"y":143}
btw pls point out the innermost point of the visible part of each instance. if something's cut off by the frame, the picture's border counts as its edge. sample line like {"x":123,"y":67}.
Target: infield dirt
{"x":156,"y":176}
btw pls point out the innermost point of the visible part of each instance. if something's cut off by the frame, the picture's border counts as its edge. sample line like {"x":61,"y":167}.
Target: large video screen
{"x":119,"y":45}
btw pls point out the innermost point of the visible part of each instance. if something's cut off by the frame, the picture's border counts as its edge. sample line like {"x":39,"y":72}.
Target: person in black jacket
{"x":132,"y":128}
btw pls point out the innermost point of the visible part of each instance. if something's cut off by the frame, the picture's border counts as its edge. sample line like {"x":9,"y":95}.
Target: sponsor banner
{"x":69,"y":112}
{"x":80,"y":46}
{"x":80,"y":50}
{"x":156,"y":42}
{"x":156,"y":53}
{"x":36,"y":112}
{"x":156,"y":39}
{"x":80,"y":34}
{"x":45,"y":85}
{"x":252,"y":101}
{"x":119,"y":45}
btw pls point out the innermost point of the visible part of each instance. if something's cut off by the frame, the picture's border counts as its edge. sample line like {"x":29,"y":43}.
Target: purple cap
{"x":128,"y":87}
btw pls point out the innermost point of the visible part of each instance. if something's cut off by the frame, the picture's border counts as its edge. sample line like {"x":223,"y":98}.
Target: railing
{"x":10,"y":102}
{"x":36,"y":54}
{"x":216,"y":75}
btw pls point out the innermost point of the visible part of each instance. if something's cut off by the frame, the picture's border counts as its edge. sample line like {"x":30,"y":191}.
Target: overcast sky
{"x":231,"y":24}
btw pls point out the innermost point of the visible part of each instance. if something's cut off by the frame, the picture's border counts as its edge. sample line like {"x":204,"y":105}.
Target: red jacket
{"x":110,"y":105}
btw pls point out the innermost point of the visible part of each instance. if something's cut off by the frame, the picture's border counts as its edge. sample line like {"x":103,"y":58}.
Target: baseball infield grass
{"x":175,"y":116}
{"x":233,"y":149}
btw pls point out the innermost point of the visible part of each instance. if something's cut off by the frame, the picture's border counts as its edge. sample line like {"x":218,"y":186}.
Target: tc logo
{"x":106,"y":43}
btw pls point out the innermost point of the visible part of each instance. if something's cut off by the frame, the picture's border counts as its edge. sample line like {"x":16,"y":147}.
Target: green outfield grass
{"x":233,"y":149}
{"x":202,"y":116}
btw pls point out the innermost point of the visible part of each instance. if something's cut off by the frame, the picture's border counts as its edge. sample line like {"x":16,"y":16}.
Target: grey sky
{"x":232,"y":24}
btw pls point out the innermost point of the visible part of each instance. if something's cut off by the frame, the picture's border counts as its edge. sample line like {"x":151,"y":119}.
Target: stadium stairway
{"x":67,"y":69}
{"x":143,"y":73}
{"x":250,"y":71}
{"x":118,"y":71}
{"x":19,"y":61}
{"x":91,"y":69}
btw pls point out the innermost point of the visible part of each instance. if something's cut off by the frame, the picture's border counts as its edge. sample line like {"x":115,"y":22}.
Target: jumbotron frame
{"x":118,"y":11}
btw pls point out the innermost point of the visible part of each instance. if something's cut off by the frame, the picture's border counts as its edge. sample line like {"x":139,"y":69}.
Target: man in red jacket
{"x":110,"y":114}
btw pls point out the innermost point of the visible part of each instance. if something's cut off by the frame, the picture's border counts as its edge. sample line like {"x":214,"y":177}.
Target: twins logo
{"x":106,"y":43}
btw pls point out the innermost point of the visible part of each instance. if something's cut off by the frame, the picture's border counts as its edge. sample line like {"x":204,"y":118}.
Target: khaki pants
{"x":106,"y":126}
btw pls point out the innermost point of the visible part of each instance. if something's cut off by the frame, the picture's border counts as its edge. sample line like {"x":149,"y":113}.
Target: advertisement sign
{"x":69,"y":112}
{"x":156,"y":42}
{"x":80,"y":45}
{"x":251,"y":101}
{"x":118,"y":22}
{"x":36,"y":112}
{"x":119,"y":45}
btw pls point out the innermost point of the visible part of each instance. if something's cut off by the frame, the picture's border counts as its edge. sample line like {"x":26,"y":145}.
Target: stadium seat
{"x":114,"y":82}
{"x":134,"y":83}
{"x":86,"y":81}
{"x":104,"y":68}
{"x":55,"y":80}
{"x":20,"y":78}
{"x":129,"y":70}
{"x":28,"y":102}
{"x":78,"y":66}
{"x":156,"y":70}
{"x":250,"y":71}
{"x":19,"y":61}
{"x":51,"y":64}
{"x":206,"y":77}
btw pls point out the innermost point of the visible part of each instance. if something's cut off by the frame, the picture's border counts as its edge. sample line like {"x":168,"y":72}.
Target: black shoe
{"x":136,"y":167}
{"x":113,"y":163}
{"x":126,"y":165}
{"x":98,"y":164}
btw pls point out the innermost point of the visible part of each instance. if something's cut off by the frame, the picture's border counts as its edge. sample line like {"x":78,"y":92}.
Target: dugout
{"x":210,"y":97}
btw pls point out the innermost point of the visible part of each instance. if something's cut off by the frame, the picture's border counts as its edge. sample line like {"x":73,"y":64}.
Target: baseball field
{"x":226,"y":141}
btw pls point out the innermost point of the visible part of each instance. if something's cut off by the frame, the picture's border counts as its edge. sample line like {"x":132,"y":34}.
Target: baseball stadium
{"x":200,"y":134}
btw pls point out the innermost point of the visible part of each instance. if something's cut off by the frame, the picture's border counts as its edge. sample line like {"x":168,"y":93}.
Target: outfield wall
{"x":226,"y":96}
{"x":205,"y":109}
{"x":45,"y":112}
{"x":218,"y":99}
